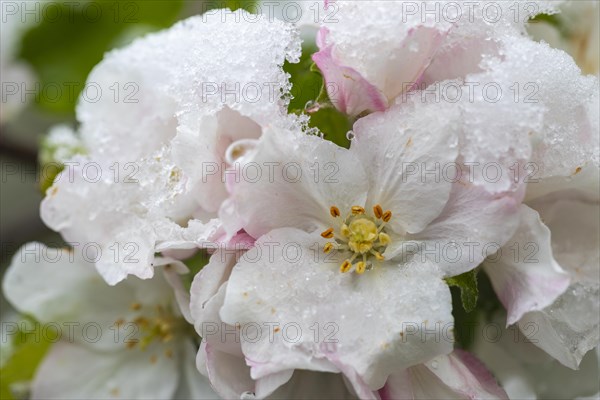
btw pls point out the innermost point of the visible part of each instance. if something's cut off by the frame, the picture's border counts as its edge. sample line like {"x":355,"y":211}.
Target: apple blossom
{"x":393,"y":236}
{"x":138,"y":345}
{"x":155,"y":161}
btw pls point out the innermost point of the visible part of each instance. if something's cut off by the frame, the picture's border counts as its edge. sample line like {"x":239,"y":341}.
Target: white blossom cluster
{"x":474,"y":151}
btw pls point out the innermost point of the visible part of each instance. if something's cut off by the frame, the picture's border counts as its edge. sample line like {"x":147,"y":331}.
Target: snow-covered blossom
{"x":393,"y":235}
{"x":152,"y":178}
{"x":474,"y":154}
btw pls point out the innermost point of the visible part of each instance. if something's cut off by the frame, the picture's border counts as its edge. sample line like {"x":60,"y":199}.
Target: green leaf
{"x":248,"y":5}
{"x":49,"y":159}
{"x":195,"y":264}
{"x":467,"y":283}
{"x":333,"y":124}
{"x":308,"y":86}
{"x":553,"y":20}
{"x":30,"y":344}
{"x":72,"y":38}
{"x":306,"y":81}
{"x":465,"y":323}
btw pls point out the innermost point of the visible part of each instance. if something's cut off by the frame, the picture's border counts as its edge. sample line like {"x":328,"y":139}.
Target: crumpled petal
{"x":570,"y":327}
{"x":456,"y":375}
{"x":524,"y":273}
{"x":473,"y":224}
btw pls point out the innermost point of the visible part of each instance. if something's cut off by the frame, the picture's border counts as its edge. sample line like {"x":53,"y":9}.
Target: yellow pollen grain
{"x":153,"y":359}
{"x":345,"y":267}
{"x":136,"y":306}
{"x":378,"y":211}
{"x":328,"y":247}
{"x":335,"y":212}
{"x":327,"y":234}
{"x":361,"y":267}
{"x":357,"y":210}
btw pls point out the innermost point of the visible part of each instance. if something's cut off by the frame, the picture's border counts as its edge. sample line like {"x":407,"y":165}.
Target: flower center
{"x":361,"y":235}
{"x":156,"y":324}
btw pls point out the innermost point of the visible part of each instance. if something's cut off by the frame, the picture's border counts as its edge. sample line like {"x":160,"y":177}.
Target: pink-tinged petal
{"x":457,"y":375}
{"x":206,"y":284}
{"x":359,"y":386}
{"x":466,"y":375}
{"x":347,"y":89}
{"x":382,"y":43}
{"x":473,"y":224}
{"x":524,"y":274}
{"x":228,"y":373}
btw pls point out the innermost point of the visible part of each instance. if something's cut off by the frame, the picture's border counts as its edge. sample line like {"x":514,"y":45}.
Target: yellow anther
{"x":335,"y":212}
{"x":328,"y":247}
{"x":378,"y":255}
{"x":345,"y":267}
{"x":384,"y":238}
{"x":361,"y":267}
{"x":357,"y":210}
{"x":328,"y":234}
{"x":387,"y":216}
{"x":378,"y":211}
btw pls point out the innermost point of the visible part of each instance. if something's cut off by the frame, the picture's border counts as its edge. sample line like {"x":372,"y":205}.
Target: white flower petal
{"x":473,"y":224}
{"x":570,"y":327}
{"x":71,"y":371}
{"x":524,"y":273}
{"x":373,"y":324}
{"x":192,"y":385}
{"x":293,"y":180}
{"x":407,"y":156}
{"x":208,"y":281}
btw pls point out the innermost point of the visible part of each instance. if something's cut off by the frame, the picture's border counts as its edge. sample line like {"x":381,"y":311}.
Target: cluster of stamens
{"x":162,"y":327}
{"x":361,"y":235}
